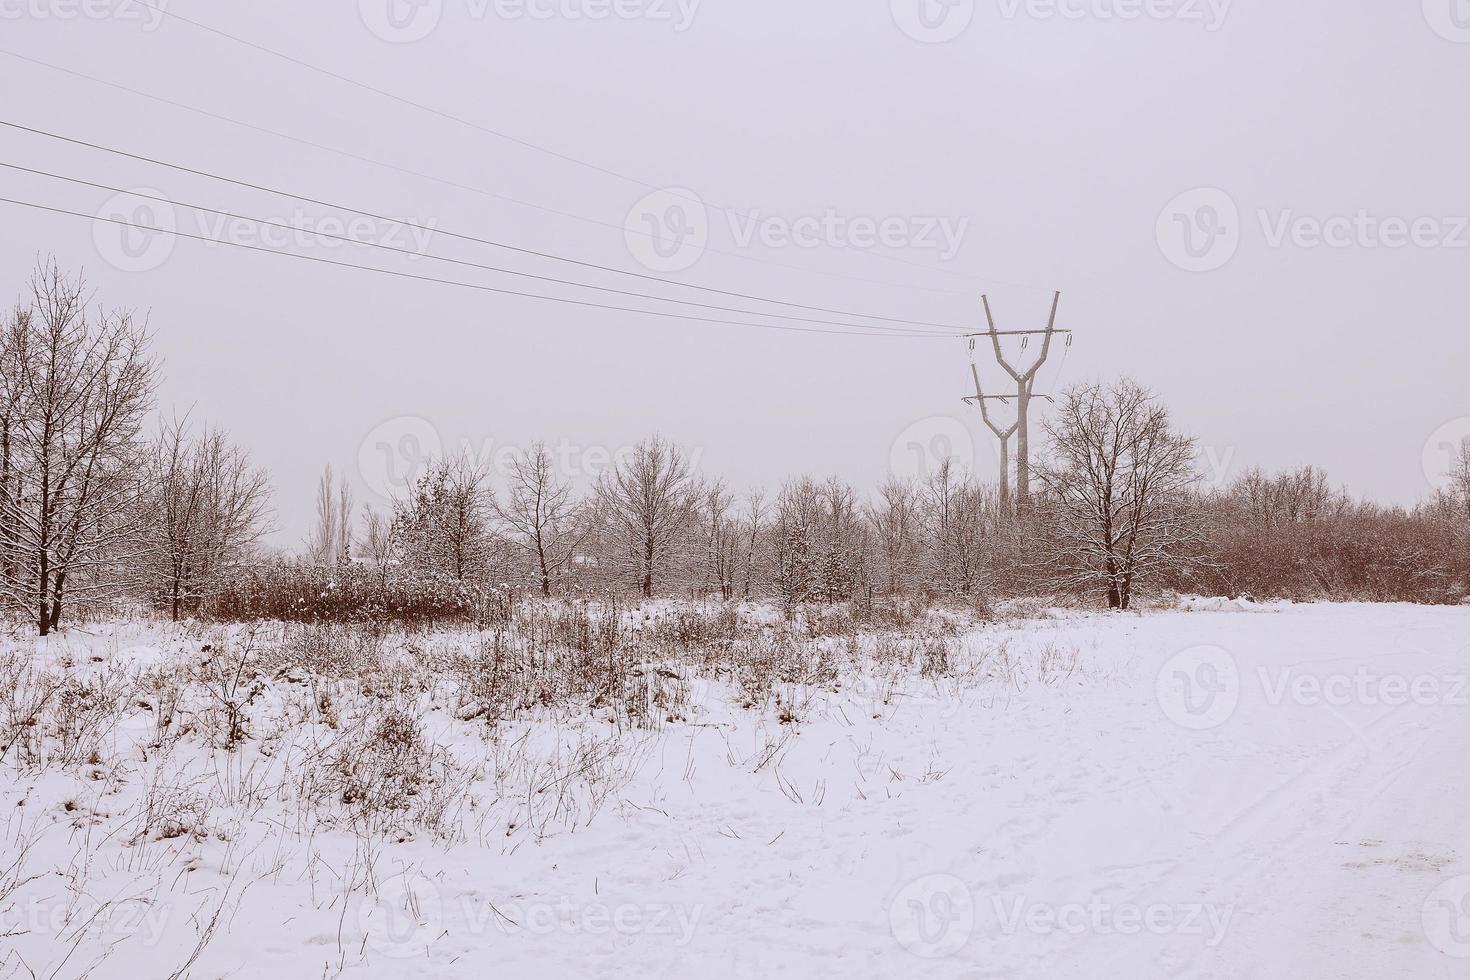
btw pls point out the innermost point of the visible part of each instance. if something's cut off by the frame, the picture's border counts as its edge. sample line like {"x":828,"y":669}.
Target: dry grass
{"x":525,"y":727}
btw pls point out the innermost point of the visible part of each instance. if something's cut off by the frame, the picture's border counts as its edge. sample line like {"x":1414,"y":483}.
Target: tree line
{"x":100,"y":506}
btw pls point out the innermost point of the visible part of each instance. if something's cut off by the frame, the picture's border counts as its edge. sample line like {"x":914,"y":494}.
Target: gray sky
{"x":1256,"y":209}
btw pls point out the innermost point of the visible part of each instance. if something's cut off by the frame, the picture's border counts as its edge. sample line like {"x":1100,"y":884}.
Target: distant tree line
{"x":1117,"y":510}
{"x":98,"y":508}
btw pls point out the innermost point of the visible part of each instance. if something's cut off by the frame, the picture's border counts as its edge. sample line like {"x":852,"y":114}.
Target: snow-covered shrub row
{"x":1295,"y":536}
{"x":304,"y":592}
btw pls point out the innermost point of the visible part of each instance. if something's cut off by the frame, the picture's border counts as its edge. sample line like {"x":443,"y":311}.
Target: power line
{"x":440,"y":258}
{"x":410,"y":172}
{"x":471,"y":238}
{"x":519,"y":141}
{"x":453,"y":282}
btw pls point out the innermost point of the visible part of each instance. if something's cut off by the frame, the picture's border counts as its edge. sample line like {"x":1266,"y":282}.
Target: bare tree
{"x":1454,"y":501}
{"x":205,"y":505}
{"x":1459,"y":479}
{"x":957,"y":515}
{"x":331,"y":538}
{"x":646,"y":500}
{"x":1286,"y":499}
{"x":542,"y":518}
{"x":842,"y":563}
{"x":940,"y":516}
{"x":1118,"y":482}
{"x":12,"y":343}
{"x":379,"y":542}
{"x":754,"y":519}
{"x":76,"y":392}
{"x":794,"y":544}
{"x":819,"y":543}
{"x":443,"y":526}
{"x":895,"y":522}
{"x":721,"y":536}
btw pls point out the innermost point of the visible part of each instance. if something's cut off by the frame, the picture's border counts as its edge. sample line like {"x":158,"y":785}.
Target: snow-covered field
{"x":1220,"y":790}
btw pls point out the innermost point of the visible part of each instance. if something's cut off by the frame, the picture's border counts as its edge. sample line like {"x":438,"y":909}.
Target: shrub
{"x":302,"y":592}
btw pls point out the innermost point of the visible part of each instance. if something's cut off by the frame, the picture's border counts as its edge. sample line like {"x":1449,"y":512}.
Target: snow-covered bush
{"x":304,"y":592}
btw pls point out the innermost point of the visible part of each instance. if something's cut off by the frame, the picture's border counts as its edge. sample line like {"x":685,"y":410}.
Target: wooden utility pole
{"x":1024,"y":381}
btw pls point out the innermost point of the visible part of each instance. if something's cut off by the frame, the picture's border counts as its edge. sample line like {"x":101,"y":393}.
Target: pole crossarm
{"x":968,"y":399}
{"x":980,"y":398}
{"x":1004,"y":435}
{"x":1024,"y":380}
{"x":1011,"y":333}
{"x":995,"y":336}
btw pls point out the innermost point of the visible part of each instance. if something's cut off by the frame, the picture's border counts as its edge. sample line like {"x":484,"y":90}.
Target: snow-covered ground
{"x":1222,"y":790}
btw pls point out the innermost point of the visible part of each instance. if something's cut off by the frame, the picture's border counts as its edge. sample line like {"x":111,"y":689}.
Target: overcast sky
{"x":1257,"y":209}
